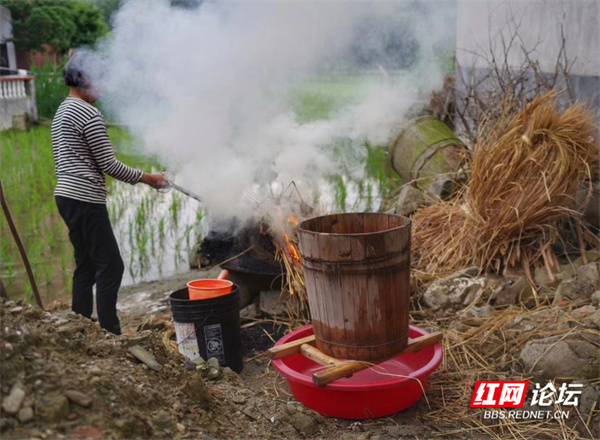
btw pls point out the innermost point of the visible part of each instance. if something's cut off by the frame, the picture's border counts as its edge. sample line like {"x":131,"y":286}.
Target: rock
{"x":250,"y":311}
{"x":581,"y":286}
{"x":79,"y":398}
{"x":567,"y":271}
{"x":512,"y":292}
{"x":239,"y":399}
{"x":53,"y":407}
{"x":589,"y":399}
{"x":273,"y":303}
{"x":593,"y":320}
{"x":553,"y":319}
{"x":213,"y":369}
{"x":461,"y":289}
{"x":95,"y":371}
{"x":7,"y":423}
{"x":16,"y":310}
{"x":180,"y":428}
{"x":25,"y":415}
{"x":199,"y":363}
{"x":596,"y":298}
{"x":577,"y":355}
{"x":146,"y":357}
{"x":588,"y":316}
{"x":86,"y":432}
{"x":541,"y":278}
{"x":476,"y":312}
{"x":11,"y":404}
{"x":213,"y":362}
{"x":304,"y":424}
{"x":212,"y":373}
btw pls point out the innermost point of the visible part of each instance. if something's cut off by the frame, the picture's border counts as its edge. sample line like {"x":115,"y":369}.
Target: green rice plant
{"x":161,"y":230}
{"x":341,"y":193}
{"x":174,"y":210}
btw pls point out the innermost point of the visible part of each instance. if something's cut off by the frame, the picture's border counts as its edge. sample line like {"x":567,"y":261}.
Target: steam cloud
{"x":209,"y":90}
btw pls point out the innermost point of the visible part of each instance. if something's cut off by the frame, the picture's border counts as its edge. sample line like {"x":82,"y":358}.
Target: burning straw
{"x":288,"y":255}
{"x":524,"y":178}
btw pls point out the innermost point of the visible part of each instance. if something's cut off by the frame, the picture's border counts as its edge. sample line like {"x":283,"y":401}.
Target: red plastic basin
{"x":375,"y":392}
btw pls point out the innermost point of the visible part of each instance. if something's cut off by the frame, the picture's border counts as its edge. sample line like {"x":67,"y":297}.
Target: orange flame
{"x":292,"y":249}
{"x":293,"y":220}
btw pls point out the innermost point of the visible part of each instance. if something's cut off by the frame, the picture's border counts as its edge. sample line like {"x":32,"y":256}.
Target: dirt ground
{"x":48,"y":355}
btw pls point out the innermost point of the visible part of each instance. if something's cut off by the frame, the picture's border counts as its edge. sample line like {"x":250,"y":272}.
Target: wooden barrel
{"x":426,"y":149}
{"x":357,"y":273}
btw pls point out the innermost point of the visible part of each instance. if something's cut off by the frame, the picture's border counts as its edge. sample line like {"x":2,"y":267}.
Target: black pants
{"x":98,"y":260}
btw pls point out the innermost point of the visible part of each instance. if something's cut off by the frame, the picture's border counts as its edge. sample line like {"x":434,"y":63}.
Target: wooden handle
{"x":318,"y":356}
{"x":421,"y":342}
{"x":348,"y":368}
{"x":344,"y":369}
{"x":290,"y":348}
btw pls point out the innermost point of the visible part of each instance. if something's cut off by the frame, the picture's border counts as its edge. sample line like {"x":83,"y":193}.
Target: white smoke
{"x":210,"y":90}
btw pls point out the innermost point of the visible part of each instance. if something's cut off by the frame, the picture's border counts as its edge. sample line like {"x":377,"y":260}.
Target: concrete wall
{"x":14,"y":114}
{"x":540,"y":24}
{"x":17,"y":102}
{"x":479,"y":22}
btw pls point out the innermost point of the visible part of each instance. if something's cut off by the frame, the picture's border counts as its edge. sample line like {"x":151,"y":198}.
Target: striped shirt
{"x":83,"y":153}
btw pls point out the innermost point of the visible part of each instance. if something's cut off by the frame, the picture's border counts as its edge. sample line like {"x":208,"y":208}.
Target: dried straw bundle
{"x":524,"y":178}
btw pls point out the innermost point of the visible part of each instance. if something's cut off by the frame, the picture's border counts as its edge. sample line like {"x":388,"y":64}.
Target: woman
{"x":82,"y":156}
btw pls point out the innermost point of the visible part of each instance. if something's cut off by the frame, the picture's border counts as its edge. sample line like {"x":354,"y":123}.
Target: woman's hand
{"x":156,"y":181}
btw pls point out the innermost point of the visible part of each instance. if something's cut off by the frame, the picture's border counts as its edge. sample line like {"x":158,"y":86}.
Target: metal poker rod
{"x":183,"y":190}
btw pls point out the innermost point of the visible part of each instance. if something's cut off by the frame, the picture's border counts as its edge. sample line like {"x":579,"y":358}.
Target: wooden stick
{"x":21,"y":248}
{"x":318,"y":356}
{"x":348,"y":368}
{"x":291,"y":347}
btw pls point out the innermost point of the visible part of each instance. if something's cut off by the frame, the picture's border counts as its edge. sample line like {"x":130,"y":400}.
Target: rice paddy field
{"x":155,"y":230}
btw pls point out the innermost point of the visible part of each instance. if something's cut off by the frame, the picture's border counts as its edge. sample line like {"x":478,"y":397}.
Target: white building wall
{"x":480,"y":22}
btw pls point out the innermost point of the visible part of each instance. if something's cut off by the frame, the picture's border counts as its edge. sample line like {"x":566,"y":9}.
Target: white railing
{"x":15,"y":87}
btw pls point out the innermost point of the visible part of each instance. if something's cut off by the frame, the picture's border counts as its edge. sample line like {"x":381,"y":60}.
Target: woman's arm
{"x":97,"y":138}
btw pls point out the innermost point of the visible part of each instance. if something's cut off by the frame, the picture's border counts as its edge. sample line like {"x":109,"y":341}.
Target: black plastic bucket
{"x":209,"y":327}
